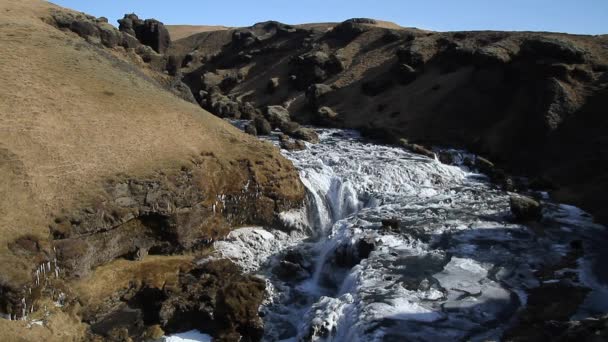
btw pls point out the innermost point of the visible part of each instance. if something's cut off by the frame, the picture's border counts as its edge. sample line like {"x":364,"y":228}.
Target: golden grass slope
{"x":182,"y":31}
{"x":70,"y":118}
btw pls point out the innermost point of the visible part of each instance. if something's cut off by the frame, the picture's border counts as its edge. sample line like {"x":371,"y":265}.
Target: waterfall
{"x":448,"y":265}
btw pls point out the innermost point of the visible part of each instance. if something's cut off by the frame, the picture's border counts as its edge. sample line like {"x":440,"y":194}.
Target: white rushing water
{"x":452,"y":267}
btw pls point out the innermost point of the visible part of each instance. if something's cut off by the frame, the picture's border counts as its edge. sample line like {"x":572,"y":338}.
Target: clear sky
{"x":572,"y":16}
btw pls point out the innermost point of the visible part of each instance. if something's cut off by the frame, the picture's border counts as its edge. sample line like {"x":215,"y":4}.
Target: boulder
{"x":539,"y":48}
{"x":418,"y":149}
{"x":390,"y":224}
{"x":277,"y":115}
{"x":289,"y":127}
{"x":250,"y":129}
{"x":326,"y":114}
{"x":411,"y":55}
{"x":273,"y":85}
{"x":223,"y":106}
{"x":525,"y":208}
{"x":306,"y":134}
{"x":315,"y":93}
{"x":288,"y":271}
{"x":248,"y":111}
{"x":84,"y":28}
{"x":110,"y":36}
{"x":314,"y":67}
{"x":262,"y":125}
{"x":291,"y":145}
{"x":149,"y":32}
{"x":484,"y":165}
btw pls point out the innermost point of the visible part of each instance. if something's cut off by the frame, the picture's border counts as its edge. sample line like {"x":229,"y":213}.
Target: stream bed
{"x":394,"y":246}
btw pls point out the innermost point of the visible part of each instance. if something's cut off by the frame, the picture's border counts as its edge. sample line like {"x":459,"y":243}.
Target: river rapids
{"x":394,"y":246}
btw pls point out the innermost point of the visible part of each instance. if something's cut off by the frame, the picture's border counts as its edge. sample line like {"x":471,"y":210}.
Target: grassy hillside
{"x":74,"y":119}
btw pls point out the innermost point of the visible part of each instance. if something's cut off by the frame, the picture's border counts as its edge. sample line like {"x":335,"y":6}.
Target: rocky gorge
{"x":131,"y":213}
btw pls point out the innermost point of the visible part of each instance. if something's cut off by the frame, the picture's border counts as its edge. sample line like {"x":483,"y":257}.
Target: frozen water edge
{"x":456,"y":268}
{"x":190,"y":336}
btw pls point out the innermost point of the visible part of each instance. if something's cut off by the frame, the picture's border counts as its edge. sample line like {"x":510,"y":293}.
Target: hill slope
{"x":99,"y":161}
{"x":532,"y":102}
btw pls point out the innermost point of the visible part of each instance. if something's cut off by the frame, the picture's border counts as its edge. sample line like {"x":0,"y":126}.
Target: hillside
{"x":182,"y":31}
{"x":531,"y":102}
{"x":100,"y":162}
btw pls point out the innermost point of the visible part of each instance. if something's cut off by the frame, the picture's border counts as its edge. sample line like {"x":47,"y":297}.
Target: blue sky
{"x":572,"y":16}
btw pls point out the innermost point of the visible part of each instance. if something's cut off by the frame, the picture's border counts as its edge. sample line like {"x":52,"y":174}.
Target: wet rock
{"x":273,"y":85}
{"x":391,"y":224}
{"x":262,"y":126}
{"x":446,"y":158}
{"x":315,"y":93}
{"x":484,"y":165}
{"x":306,"y":134}
{"x":250,"y":129}
{"x":525,"y":208}
{"x":289,"y":271}
{"x":415,"y":148}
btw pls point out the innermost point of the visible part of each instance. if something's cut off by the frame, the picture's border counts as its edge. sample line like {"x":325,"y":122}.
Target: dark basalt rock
{"x":415,"y":148}
{"x":315,"y":93}
{"x":377,"y":86}
{"x":391,"y":224}
{"x":250,"y":129}
{"x":525,"y":208}
{"x":149,"y":32}
{"x":314,"y":67}
{"x":306,"y":134}
{"x":273,"y":85}
{"x":262,"y":126}
{"x":248,"y":111}
{"x":539,"y":48}
{"x":216,"y":298}
{"x":406,"y":73}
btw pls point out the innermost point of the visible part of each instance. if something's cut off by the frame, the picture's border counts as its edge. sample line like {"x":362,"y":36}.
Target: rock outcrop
{"x":149,"y":32}
{"x":523,"y":99}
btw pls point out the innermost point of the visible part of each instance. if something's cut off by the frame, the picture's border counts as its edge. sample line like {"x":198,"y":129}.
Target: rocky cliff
{"x":114,"y":186}
{"x":531,"y":102}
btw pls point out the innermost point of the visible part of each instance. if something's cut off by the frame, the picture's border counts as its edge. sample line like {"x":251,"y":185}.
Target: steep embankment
{"x":100,"y":162}
{"x":532,"y":102}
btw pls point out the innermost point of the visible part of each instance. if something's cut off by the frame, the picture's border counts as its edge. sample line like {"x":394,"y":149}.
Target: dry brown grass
{"x":182,"y":31}
{"x":70,"y":118}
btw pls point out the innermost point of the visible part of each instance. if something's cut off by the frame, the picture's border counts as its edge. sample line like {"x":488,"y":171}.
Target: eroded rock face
{"x":149,"y":32}
{"x":215,"y":297}
{"x":224,"y":301}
